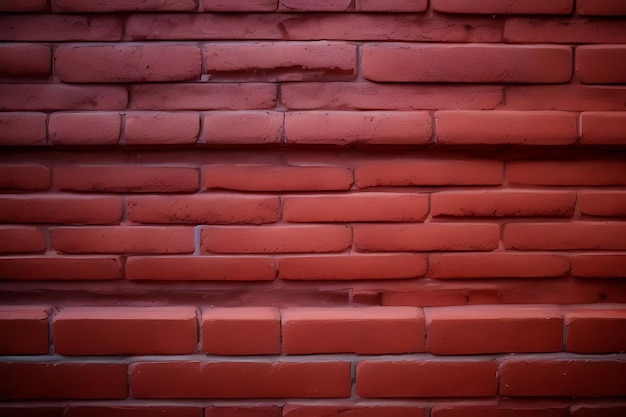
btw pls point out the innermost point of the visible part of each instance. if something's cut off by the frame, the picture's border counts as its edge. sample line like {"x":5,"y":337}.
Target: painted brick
{"x":596,"y":329}
{"x":603,"y":409}
{"x":24,"y":330}
{"x":277,"y":177}
{"x":600,"y":8}
{"x":405,"y":172}
{"x":244,"y":411}
{"x":581,"y":172}
{"x":214,"y":208}
{"x":112,"y":410}
{"x":345,"y":128}
{"x":602,"y":128}
{"x":203,"y":268}
{"x":276,"y":239}
{"x":565,"y":30}
{"x":61,"y":97}
{"x":85,"y":331}
{"x":24,"y":177}
{"x":426,"y":237}
{"x":280,"y":61}
{"x":123,"y":239}
{"x":363,"y":330}
{"x":374,"y":96}
{"x":565,"y":236}
{"x":504,"y":408}
{"x":599,"y":266}
{"x":243,"y":127}
{"x":239,"y":6}
{"x":602,"y":203}
{"x":16,"y":239}
{"x":358,"y":207}
{"x":60,"y":209}
{"x":476,"y":330}
{"x":481,"y":63}
{"x":39,"y":381}
{"x":506,"y":127}
{"x":568,"y":376}
{"x":249,"y":379}
{"x":601,"y":64}
{"x":497,"y":7}
{"x":92,"y":128}
{"x":353,"y":410}
{"x":73,"y":6}
{"x":196,"y":96}
{"x":241,"y":331}
{"x":503,"y":203}
{"x":352,"y":267}
{"x":30,"y":411}
{"x":313,"y":6}
{"x":125,"y":178}
{"x":127,"y":63}
{"x":426,"y":378}
{"x":391,"y":6}
{"x":60,"y":268}
{"x":25,"y":61}
{"x":161,"y":128}
{"x":496,"y":265}
{"x":23,"y":5}
{"x":22,"y":129}
{"x":60,"y":28}
{"x":576,"y":97}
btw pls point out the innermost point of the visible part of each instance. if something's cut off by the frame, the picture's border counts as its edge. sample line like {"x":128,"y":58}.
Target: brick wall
{"x":304,"y":208}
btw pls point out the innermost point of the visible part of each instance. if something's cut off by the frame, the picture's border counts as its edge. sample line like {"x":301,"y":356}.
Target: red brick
{"x":249,"y":379}
{"x":506,"y":127}
{"x":243,"y":127}
{"x":475,"y":330}
{"x":574,"y":97}
{"x":345,"y":128}
{"x":126,"y":178}
{"x":363,"y":330}
{"x":496,"y":265}
{"x":53,"y":380}
{"x":352,"y":267}
{"x":426,"y":297}
{"x":313,"y":6}
{"x":601,"y":64}
{"x":239,"y":6}
{"x":214,"y":208}
{"x":498,"y":7}
{"x":360,"y":207}
{"x":353,"y":410}
{"x":61,"y":97}
{"x":85,"y":331}
{"x":602,"y":203}
{"x":503,"y":408}
{"x":206,"y":96}
{"x":127,"y":63}
{"x":60,"y":28}
{"x":244,"y":411}
{"x":602,"y":128}
{"x":404,"y":172}
{"x":579,"y":172}
{"x":16,"y":239}
{"x":111,"y":410}
{"x":600,"y":8}
{"x":29,"y":410}
{"x":467,"y":63}
{"x":24,"y":177}
{"x":60,"y":268}
{"x":426,"y":378}
{"x":565,"y":236}
{"x":277,"y":177}
{"x":599,"y":266}
{"x":241,"y":331}
{"x":280,"y":61}
{"x":309,"y":26}
{"x":200,"y":268}
{"x":60,"y":209}
{"x":161,"y":128}
{"x":503,"y":203}
{"x":25,"y":61}
{"x":565,"y":30}
{"x":23,"y":5}
{"x":22,"y":129}
{"x":566,"y":376}
{"x":97,"y":128}
{"x":596,"y":329}
{"x":426,"y":237}
{"x":366,"y":95}
{"x":123,"y":239}
{"x":275,"y":239}
{"x":602,"y":409}
{"x":391,"y":6}
{"x":24,"y":330}
{"x":73,"y":6}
